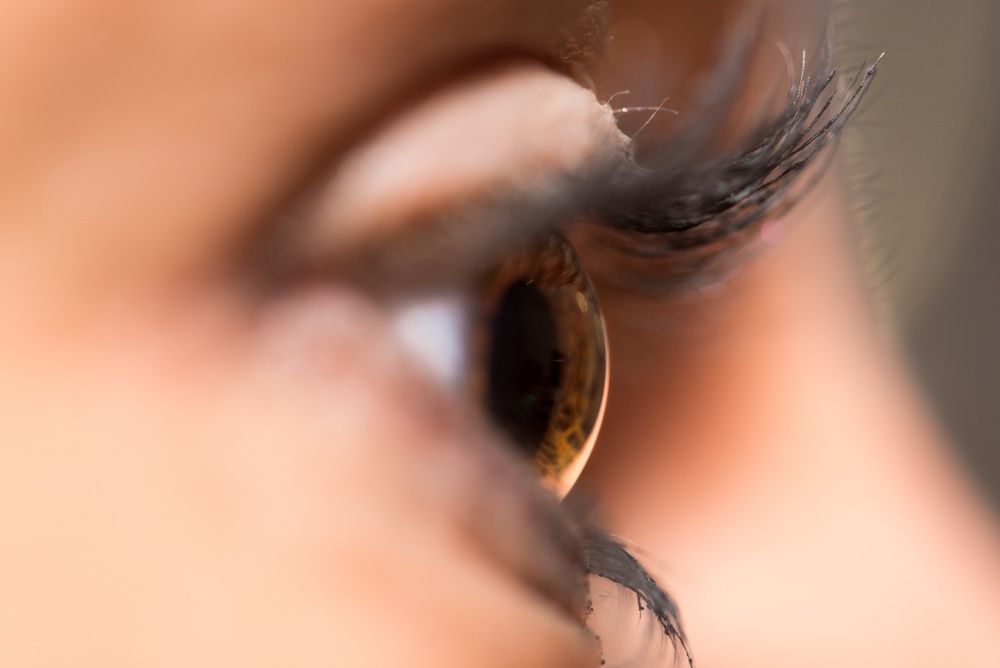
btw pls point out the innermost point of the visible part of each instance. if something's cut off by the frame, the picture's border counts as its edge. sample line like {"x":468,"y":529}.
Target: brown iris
{"x":542,"y":358}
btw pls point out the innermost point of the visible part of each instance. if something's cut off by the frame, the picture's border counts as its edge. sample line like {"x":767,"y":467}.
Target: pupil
{"x":525,"y":366}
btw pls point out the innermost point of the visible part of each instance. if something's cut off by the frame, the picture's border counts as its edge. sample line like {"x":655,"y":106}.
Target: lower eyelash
{"x":606,"y":557}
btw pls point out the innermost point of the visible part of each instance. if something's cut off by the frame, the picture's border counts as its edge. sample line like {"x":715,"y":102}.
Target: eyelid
{"x":516,"y":132}
{"x":659,"y":228}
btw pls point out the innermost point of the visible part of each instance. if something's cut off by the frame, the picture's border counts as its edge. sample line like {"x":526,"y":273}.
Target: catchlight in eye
{"x":541,"y":362}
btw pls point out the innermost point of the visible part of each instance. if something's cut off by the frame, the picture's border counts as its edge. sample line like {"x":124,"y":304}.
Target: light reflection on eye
{"x":540,"y":362}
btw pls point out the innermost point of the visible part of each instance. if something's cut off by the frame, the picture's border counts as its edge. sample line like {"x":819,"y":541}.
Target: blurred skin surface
{"x":196,"y":474}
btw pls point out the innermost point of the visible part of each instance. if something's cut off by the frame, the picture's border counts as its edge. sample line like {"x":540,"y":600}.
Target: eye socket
{"x":541,"y":358}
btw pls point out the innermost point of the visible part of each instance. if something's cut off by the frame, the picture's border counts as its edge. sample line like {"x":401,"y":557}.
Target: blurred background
{"x":925,"y":155}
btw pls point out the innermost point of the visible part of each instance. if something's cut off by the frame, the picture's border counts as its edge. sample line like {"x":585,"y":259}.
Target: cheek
{"x":279,"y":424}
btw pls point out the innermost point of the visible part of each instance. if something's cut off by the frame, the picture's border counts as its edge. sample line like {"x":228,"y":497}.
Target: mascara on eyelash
{"x":729,"y":195}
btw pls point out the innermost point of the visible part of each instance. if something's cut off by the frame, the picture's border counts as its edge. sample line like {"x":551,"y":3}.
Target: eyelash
{"x":679,"y":212}
{"x":743,"y":189}
{"x":607,"y":558}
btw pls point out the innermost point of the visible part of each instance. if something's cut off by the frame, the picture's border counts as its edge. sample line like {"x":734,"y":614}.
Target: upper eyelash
{"x":675,"y":205}
{"x":680,"y":222}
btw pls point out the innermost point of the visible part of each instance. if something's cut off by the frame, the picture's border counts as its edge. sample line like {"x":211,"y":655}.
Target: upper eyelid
{"x":482,"y":155}
{"x":758,"y":179}
{"x":674,"y":206}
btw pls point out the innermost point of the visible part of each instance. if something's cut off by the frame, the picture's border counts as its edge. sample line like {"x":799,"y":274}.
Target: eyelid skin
{"x":508,"y":129}
{"x":513,"y":130}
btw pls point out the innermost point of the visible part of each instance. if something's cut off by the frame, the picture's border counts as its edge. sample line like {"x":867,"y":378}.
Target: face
{"x":218,"y":215}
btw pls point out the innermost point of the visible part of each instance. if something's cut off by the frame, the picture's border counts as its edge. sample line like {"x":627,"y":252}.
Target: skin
{"x":820,"y":519}
{"x":765,"y":443}
{"x":207,"y":475}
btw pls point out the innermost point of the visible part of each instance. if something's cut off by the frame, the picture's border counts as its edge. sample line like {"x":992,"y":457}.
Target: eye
{"x":540,"y":362}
